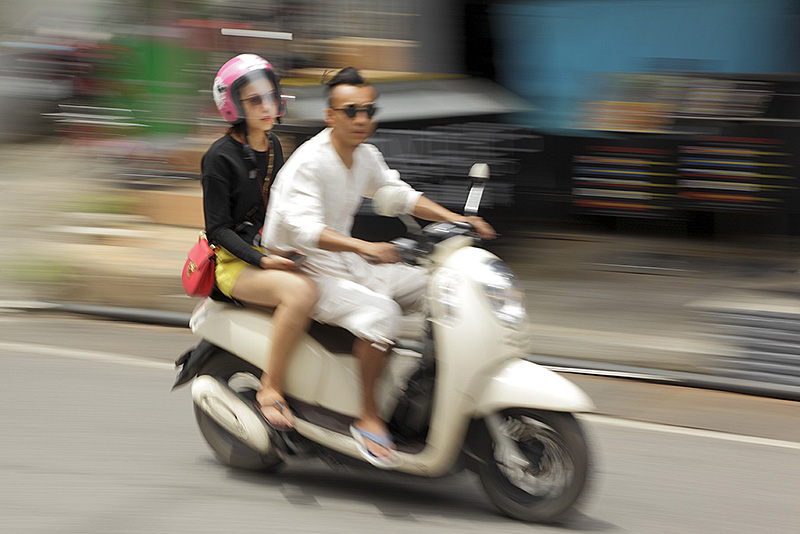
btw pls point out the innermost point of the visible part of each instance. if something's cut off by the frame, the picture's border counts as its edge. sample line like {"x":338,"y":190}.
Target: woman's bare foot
{"x":274,"y":409}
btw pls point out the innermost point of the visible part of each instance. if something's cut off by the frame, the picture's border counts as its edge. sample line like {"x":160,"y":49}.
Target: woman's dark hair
{"x":346,"y":76}
{"x":238,"y":128}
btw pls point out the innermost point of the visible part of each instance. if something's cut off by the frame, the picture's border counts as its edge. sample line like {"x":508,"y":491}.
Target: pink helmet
{"x":238,"y":71}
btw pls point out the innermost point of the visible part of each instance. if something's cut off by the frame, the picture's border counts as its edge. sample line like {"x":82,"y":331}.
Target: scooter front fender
{"x":523,"y":384}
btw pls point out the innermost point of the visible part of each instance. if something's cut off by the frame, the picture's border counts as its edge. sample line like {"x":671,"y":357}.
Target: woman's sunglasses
{"x":257,"y":100}
{"x":351,"y":110}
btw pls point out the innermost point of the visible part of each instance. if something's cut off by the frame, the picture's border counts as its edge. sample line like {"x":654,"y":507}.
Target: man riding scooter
{"x":361,"y":286}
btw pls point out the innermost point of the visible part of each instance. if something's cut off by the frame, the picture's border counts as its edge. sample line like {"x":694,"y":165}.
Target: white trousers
{"x":369,"y":300}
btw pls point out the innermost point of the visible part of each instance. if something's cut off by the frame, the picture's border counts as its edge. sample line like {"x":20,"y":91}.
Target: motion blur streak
{"x":90,"y":355}
{"x":696,"y":432}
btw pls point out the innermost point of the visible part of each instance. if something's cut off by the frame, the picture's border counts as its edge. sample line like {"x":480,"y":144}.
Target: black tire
{"x":228,"y":449}
{"x":555,"y":445}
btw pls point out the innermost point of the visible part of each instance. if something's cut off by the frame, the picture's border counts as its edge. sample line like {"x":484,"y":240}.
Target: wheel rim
{"x":551,"y":469}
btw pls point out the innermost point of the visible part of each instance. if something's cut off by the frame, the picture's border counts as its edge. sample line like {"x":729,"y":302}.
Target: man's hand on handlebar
{"x":380,"y":252}
{"x":482,"y":228}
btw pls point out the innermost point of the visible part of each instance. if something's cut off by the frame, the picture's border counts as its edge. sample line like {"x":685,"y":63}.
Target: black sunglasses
{"x":351,"y":110}
{"x":257,"y":100}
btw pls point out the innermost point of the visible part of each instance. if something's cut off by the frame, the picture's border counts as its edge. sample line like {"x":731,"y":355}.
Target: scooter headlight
{"x":502,"y":292}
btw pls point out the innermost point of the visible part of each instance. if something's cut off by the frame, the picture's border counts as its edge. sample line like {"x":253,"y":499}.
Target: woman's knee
{"x":300,"y":293}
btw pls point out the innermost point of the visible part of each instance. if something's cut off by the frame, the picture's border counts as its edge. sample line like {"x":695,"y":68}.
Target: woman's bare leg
{"x":293,"y":296}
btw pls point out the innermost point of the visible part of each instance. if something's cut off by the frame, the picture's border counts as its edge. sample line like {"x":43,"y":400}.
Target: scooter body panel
{"x":313,"y":375}
{"x":469,"y":339}
{"x":524,"y":384}
{"x":479,"y":359}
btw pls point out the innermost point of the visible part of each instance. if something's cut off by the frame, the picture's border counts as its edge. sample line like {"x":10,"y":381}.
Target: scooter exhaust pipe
{"x":226,"y":408}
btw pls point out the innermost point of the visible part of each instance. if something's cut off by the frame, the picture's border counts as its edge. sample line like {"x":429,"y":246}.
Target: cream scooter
{"x":456,"y":392}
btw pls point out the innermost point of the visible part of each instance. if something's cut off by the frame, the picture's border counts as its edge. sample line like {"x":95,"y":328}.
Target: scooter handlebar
{"x":420,"y":244}
{"x":410,"y":249}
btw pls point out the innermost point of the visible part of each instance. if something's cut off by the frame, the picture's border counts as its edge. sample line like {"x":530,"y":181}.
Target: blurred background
{"x":609,"y":108}
{"x":637,"y":78}
{"x":625,"y":117}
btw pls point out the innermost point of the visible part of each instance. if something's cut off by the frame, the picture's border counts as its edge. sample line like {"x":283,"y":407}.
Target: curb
{"x":135,"y":315}
{"x":563,"y":365}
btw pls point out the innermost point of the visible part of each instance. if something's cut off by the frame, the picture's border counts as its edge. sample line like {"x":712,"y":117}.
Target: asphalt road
{"x":93,"y":440}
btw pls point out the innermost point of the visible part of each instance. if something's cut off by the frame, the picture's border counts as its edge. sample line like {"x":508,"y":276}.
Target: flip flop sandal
{"x":385,"y":441}
{"x":277,"y":405}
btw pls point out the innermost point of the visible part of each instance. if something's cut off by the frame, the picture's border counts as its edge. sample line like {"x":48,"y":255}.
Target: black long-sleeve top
{"x":229,"y":194}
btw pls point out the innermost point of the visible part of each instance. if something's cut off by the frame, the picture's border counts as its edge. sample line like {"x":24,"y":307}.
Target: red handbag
{"x":198,"y":271}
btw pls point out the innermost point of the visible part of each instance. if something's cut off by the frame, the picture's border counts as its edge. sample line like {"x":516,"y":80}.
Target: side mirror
{"x":479,"y":171}
{"x":480,"y":175}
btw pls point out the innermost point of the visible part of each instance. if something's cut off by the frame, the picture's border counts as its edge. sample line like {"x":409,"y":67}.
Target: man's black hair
{"x":346,"y":76}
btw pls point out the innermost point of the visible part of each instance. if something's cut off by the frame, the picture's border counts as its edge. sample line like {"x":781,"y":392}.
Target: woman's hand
{"x":273,"y":261}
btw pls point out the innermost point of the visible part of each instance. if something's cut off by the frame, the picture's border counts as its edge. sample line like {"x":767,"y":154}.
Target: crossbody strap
{"x":264,"y":184}
{"x":247,"y":218}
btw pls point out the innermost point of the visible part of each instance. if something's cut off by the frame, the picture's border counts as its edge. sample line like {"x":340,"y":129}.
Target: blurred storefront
{"x":671,"y":111}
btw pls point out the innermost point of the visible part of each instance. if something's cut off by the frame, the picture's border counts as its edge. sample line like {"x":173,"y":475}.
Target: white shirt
{"x":314,"y":190}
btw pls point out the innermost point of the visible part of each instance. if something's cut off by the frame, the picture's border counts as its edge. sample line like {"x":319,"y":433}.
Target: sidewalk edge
{"x":562,"y":365}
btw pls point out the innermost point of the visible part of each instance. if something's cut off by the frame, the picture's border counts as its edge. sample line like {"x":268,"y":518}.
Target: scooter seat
{"x":337,"y":339}
{"x":219,"y":296}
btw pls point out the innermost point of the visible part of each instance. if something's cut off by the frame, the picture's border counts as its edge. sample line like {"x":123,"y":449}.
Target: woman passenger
{"x":237,"y":172}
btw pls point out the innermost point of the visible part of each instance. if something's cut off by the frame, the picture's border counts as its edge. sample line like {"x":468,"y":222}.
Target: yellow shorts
{"x":229,"y":267}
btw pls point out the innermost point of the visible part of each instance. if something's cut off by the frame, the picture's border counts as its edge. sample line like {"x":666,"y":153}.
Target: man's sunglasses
{"x":351,"y":110}
{"x":257,"y":100}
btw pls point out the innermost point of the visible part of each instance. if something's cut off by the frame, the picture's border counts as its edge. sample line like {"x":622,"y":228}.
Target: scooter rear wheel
{"x":556,"y":449}
{"x":228,"y":449}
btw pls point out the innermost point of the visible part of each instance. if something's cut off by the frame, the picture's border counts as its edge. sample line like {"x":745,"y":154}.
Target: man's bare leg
{"x":372,"y":361}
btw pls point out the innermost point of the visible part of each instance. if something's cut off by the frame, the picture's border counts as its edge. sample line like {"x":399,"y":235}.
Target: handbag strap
{"x":266,"y":182}
{"x":204,"y":237}
{"x":247,"y":216}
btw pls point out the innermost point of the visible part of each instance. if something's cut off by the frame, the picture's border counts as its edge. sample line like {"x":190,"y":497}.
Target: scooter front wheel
{"x":557,"y":456}
{"x":229,"y":450}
